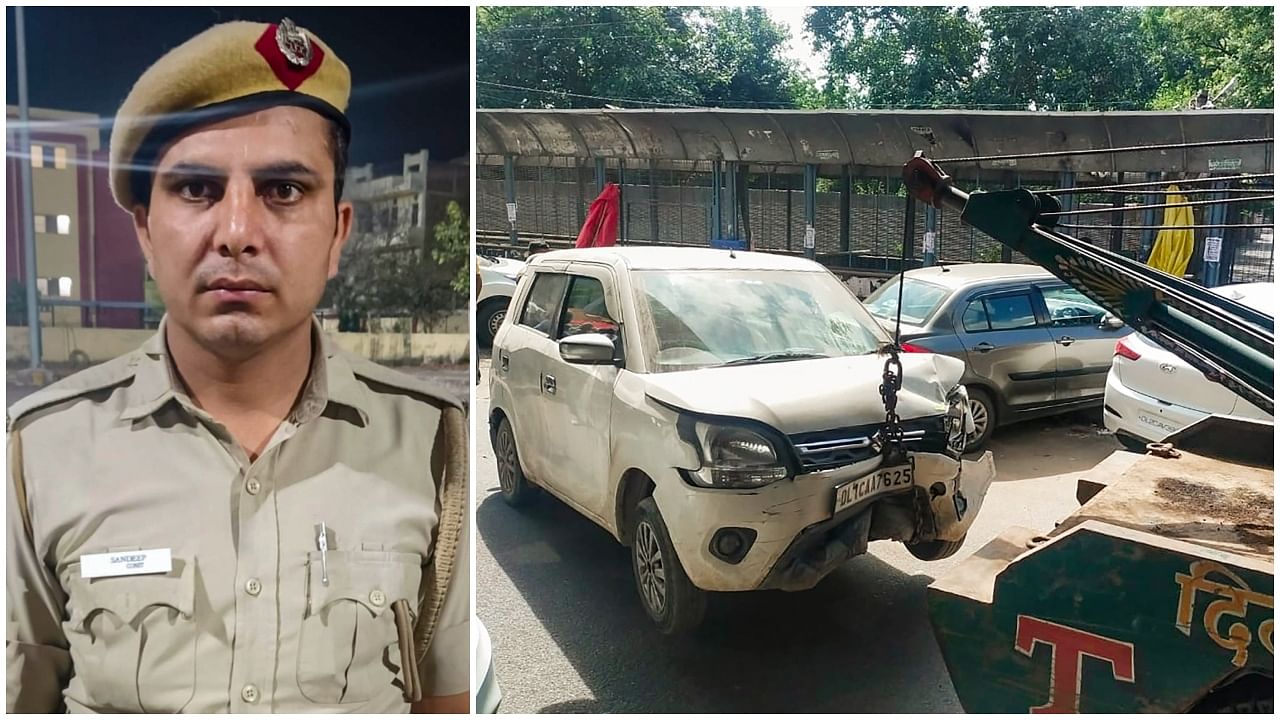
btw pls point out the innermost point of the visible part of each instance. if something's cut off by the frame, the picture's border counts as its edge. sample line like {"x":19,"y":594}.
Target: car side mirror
{"x":588,"y":349}
{"x":1111,"y":322}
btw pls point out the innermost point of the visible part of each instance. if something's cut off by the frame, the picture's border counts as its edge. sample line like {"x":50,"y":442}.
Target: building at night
{"x":85,"y":245}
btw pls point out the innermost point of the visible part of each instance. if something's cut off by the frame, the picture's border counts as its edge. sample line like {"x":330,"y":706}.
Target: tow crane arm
{"x":1230,"y":343}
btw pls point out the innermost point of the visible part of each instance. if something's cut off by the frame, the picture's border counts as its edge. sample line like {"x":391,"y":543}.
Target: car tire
{"x":672,"y":601}
{"x":984,"y":418}
{"x":931,"y":550}
{"x":489,"y":317}
{"x":516,"y":489}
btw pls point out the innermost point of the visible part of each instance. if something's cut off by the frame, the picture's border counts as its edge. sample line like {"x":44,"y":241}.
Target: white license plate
{"x":1158,"y":424}
{"x":880,"y":482}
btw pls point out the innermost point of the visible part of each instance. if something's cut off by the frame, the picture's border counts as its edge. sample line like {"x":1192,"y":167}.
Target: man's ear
{"x":144,"y":235}
{"x":341,"y":233}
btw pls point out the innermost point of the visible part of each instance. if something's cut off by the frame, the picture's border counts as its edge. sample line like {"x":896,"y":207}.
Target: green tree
{"x":589,"y":57}
{"x":905,"y":57}
{"x":1203,"y":48}
{"x":1064,"y":58}
{"x":453,"y":247}
{"x":1067,"y":58}
{"x":740,"y":60}
{"x":573,"y":57}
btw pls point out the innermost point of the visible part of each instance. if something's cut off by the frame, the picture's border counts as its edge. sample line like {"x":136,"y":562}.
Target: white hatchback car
{"x":719,"y":413}
{"x":1152,"y":393}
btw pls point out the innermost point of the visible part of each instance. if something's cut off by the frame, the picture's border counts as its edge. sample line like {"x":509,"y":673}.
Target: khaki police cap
{"x":231,"y":69}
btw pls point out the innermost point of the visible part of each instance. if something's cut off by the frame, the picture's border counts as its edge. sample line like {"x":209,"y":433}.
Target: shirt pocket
{"x":349,"y":649}
{"x":133,"y":638}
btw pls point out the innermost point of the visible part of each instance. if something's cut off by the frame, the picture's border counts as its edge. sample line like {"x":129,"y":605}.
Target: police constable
{"x":237,"y":516}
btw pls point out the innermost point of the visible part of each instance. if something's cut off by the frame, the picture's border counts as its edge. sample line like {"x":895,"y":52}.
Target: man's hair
{"x":337,"y":141}
{"x":338,"y":146}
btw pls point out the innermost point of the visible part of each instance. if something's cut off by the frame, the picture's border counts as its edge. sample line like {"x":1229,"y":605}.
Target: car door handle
{"x":549,"y":384}
{"x":984,"y":347}
{"x":504,"y":362}
{"x":1066,"y":340}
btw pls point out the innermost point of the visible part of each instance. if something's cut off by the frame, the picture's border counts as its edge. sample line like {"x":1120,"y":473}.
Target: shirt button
{"x":253,"y":486}
{"x":253,"y":587}
{"x":249,"y":694}
{"x":377,"y":598}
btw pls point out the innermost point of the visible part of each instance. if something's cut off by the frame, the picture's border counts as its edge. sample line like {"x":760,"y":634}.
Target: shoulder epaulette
{"x":369,"y":370}
{"x":99,"y":377}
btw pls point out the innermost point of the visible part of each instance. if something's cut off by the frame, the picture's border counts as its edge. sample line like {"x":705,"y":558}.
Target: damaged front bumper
{"x":946,"y":496}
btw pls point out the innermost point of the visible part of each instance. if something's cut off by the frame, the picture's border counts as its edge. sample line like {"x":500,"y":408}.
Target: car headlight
{"x":959,"y":419}
{"x":735,"y":457}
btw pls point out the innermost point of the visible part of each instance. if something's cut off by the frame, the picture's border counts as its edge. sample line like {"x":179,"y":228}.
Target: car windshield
{"x":706,"y":318}
{"x":919,"y":300}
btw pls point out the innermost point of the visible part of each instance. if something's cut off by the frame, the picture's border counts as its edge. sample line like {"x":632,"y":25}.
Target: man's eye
{"x":196,"y":190}
{"x":285,"y":192}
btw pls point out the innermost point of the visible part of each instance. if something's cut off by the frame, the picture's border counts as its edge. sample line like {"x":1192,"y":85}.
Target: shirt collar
{"x":330,"y":379}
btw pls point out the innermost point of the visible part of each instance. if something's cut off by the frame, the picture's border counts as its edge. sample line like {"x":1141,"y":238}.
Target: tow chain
{"x":891,"y":380}
{"x":890,"y":384}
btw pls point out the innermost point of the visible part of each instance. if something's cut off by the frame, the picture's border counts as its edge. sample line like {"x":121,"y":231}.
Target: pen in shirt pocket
{"x":322,"y":542}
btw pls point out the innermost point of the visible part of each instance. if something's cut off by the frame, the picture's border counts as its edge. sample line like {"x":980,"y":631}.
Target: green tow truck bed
{"x":1157,"y":595}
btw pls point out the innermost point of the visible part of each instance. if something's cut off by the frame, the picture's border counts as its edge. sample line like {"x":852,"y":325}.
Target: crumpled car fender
{"x":955,"y":488}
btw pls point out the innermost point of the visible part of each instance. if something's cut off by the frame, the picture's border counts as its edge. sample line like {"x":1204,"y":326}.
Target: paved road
{"x":556,"y":594}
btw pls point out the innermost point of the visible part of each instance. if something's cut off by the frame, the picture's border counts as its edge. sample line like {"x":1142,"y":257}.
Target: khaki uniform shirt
{"x":251,"y":616}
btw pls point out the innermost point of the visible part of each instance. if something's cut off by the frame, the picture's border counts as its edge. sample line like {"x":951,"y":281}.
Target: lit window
{"x":37,"y":156}
{"x":64,"y":224}
{"x":64,"y":287}
{"x":42,"y":225}
{"x":60,"y":157}
{"x":42,"y":286}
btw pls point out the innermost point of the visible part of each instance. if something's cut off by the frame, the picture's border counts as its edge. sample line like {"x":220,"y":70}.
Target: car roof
{"x":679,"y":258}
{"x":962,"y":275}
{"x":1260,"y":296}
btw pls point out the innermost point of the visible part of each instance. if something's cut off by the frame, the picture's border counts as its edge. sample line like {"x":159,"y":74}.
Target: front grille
{"x":827,"y":449}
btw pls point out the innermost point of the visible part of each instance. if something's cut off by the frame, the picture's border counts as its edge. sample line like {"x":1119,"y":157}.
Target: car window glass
{"x":1068,"y":306}
{"x":919,"y":300}
{"x":703,"y":318}
{"x":975,"y":317}
{"x":544,"y":299}
{"x":584,"y":310}
{"x":1010,"y":312}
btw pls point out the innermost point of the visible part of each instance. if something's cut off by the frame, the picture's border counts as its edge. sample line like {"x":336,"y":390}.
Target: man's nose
{"x":239,"y":230}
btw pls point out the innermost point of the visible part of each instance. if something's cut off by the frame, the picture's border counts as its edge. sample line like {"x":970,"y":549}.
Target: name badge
{"x":129,"y":562}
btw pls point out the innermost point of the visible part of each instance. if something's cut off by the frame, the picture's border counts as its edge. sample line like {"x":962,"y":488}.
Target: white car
{"x":1151,"y":393}
{"x":718,"y":412}
{"x":498,"y":278}
{"x":486,"y":696}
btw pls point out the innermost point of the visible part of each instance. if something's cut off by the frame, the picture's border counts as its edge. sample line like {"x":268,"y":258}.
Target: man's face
{"x":242,"y":232}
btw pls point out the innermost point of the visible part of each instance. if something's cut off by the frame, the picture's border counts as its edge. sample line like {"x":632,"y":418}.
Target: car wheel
{"x":517,"y":491}
{"x":672,"y":601}
{"x":488,"y":319}
{"x":984,"y":418}
{"x":935,"y":549}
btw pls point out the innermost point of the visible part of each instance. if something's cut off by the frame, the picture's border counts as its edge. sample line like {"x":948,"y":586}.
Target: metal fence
{"x":858,"y":217}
